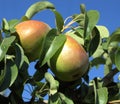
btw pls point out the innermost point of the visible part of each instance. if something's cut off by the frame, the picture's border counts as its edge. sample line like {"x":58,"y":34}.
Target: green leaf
{"x":12,"y":24}
{"x":53,"y":83}
{"x":2,"y":71}
{"x":5,"y":45}
{"x":94,"y":43}
{"x":59,"y":98}
{"x":46,"y":44}
{"x":54,"y":99}
{"x":104,"y":32}
{"x":59,"y":21}
{"x":115,"y":37}
{"x":8,"y":26}
{"x":65,"y":99}
{"x":56,"y":44}
{"x":5,"y":25}
{"x":117,"y":59}
{"x":19,"y":58}
{"x":97,"y":61}
{"x":82,"y":8}
{"x":76,"y":37}
{"x":102,"y":95}
{"x":39,"y":74}
{"x":0,"y":37}
{"x":108,"y":65}
{"x":93,"y":17}
{"x":10,"y":75}
{"x":37,"y":7}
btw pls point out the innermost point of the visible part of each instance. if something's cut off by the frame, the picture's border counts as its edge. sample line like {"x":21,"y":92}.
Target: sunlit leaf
{"x":5,"y":25}
{"x":99,"y":52}
{"x":102,"y":95}
{"x":12,"y":24}
{"x":59,"y":21}
{"x":5,"y":45}
{"x":93,"y":17}
{"x":104,"y":32}
{"x":10,"y":75}
{"x":37,"y":7}
{"x":53,"y":83}
{"x":117,"y":59}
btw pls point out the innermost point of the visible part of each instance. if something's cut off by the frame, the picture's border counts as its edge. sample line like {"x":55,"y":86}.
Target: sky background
{"x":109,"y":14}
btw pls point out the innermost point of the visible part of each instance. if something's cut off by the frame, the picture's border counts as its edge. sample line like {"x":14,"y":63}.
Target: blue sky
{"x":109,"y":13}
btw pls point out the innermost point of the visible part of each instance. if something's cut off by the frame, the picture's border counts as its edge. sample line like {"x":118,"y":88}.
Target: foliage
{"x":102,"y":48}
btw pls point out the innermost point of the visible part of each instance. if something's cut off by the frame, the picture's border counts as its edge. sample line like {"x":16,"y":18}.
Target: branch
{"x":108,"y":78}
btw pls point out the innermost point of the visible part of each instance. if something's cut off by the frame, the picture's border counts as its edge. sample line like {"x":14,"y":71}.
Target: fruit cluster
{"x":68,"y":64}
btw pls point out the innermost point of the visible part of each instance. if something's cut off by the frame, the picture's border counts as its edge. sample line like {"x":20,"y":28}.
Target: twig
{"x":108,"y":78}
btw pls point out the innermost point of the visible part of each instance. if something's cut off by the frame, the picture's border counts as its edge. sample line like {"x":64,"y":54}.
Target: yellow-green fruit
{"x":31,"y":34}
{"x":71,"y":62}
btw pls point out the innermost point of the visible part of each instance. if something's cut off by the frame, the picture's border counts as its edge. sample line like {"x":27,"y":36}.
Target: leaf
{"x":19,"y":58}
{"x":10,"y":75}
{"x":94,"y":43}
{"x":5,"y":25}
{"x":99,"y":52}
{"x":39,"y":74}
{"x":59,"y":98}
{"x":97,"y":61}
{"x":77,"y":38}
{"x":46,"y":44}
{"x":59,"y":21}
{"x":53,"y":83}
{"x":104,"y":32}
{"x":12,"y":24}
{"x":102,"y":95}
{"x":8,"y":26}
{"x":2,"y":71}
{"x":50,"y":46}
{"x":37,"y":7}
{"x":115,"y":37}
{"x":93,"y":17}
{"x":57,"y":43}
{"x":5,"y":45}
{"x":65,"y":99}
{"x":82,"y":8}
{"x":117,"y":59}
{"x":54,"y":99}
{"x":0,"y":36}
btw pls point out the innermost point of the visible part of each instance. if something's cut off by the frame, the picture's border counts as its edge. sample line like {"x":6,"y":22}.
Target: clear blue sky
{"x":109,"y":13}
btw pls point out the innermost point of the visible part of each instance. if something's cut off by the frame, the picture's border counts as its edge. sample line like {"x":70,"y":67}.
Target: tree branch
{"x":109,"y":77}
